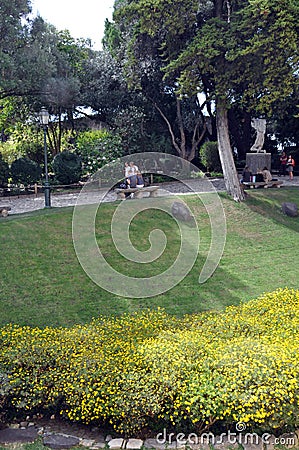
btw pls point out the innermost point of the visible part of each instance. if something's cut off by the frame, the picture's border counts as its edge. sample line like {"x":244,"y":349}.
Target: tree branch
{"x":176,"y":146}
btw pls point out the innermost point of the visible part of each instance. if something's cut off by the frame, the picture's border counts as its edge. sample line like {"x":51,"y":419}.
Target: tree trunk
{"x":230,"y":174}
{"x":181,"y":147}
{"x":240,"y":129}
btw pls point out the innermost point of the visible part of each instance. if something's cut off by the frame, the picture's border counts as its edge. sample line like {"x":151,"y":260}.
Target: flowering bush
{"x":97,"y":148}
{"x":148,"y":368}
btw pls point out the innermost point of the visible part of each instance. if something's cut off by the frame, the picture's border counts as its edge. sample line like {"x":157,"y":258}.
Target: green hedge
{"x":67,"y":167}
{"x":25,"y":171}
{"x":209,"y":156}
{"x":4,"y":172}
{"x":150,"y":369}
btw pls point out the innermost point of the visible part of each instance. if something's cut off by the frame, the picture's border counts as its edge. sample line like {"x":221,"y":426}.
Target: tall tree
{"x":238,"y":51}
{"x":142,"y":60}
{"x":43,"y":66}
{"x":24,"y":60}
{"x":62,"y":90}
{"x":103,"y":87}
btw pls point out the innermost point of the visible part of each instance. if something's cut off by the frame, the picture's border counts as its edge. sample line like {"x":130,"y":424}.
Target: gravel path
{"x":27,"y":203}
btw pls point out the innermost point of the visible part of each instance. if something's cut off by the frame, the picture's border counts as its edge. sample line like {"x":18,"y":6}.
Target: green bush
{"x":97,"y":148}
{"x":209,"y":156}
{"x":4,"y":172}
{"x":25,"y":171}
{"x":151,"y":369}
{"x":67,"y":167}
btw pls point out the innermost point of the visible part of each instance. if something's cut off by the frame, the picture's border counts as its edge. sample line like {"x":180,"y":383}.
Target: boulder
{"x":14,"y":435}
{"x":134,"y":444}
{"x":290,"y":209}
{"x":60,"y":441}
{"x":116,"y":444}
{"x":181,"y":212}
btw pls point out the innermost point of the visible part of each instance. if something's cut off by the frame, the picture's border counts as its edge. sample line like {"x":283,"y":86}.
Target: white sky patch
{"x":82,"y":19}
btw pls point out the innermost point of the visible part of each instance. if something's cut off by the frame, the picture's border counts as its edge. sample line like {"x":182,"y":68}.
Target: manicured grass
{"x":42,"y":282}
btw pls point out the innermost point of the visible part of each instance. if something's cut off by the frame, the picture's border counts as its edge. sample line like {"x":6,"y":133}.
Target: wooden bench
{"x":4,"y":210}
{"x":256,"y":184}
{"x":137,"y":192}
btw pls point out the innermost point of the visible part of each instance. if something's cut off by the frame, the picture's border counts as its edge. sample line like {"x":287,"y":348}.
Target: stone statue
{"x":260,"y":126}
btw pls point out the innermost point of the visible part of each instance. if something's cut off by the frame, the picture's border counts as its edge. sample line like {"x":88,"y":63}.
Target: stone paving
{"x":55,"y":437}
{"x":27,"y":203}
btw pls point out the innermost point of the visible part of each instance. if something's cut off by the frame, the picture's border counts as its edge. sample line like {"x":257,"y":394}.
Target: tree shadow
{"x":268,"y":204}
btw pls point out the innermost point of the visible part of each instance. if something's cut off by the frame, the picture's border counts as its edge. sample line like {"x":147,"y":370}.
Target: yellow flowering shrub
{"x":149,"y":368}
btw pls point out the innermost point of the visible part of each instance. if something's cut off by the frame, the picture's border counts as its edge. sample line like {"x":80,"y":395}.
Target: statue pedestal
{"x":258,"y":161}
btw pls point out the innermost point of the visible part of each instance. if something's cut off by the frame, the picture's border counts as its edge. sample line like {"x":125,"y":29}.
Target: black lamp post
{"x":44,"y":120}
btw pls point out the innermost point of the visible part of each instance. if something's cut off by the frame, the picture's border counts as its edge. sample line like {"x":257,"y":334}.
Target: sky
{"x":82,"y":18}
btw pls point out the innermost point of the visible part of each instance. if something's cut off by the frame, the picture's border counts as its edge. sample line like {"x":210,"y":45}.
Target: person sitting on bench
{"x":140,"y":181}
{"x":246,"y":175}
{"x":267,"y":175}
{"x":259,"y":178}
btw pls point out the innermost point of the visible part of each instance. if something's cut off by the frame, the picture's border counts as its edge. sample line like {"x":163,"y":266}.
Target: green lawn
{"x":42,"y":282}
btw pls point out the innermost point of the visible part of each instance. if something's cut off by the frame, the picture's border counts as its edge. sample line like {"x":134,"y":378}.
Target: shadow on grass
{"x":43,"y":283}
{"x":267,"y":203}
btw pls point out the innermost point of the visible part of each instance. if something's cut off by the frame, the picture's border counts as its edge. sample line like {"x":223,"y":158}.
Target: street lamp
{"x":44,"y":120}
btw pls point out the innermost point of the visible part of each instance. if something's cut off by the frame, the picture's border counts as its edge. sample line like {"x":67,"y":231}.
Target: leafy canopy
{"x":245,"y":51}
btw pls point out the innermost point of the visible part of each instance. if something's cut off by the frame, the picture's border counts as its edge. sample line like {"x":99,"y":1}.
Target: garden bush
{"x":150,"y":369}
{"x":4,"y":172}
{"x":209,"y":156}
{"x":97,"y":148}
{"x":67,"y":167}
{"x":25,"y":171}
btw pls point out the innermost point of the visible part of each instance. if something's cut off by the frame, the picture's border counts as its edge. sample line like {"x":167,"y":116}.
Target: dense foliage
{"x":210,"y":157}
{"x":97,"y":148}
{"x":67,"y":167}
{"x":4,"y":171}
{"x":148,"y":368}
{"x":236,"y":53}
{"x":25,"y":171}
{"x":241,"y":56}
